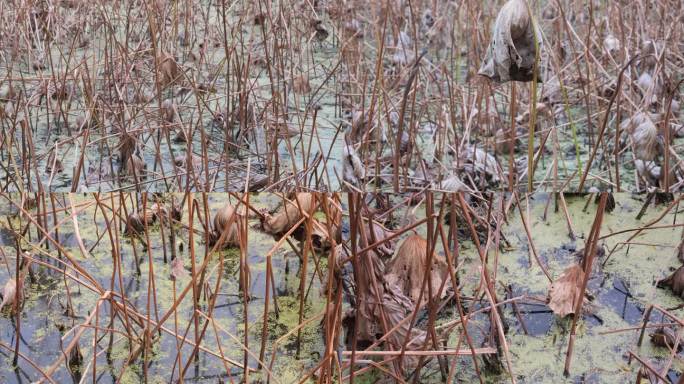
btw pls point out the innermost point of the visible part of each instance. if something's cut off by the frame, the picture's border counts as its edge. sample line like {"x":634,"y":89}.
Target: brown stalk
{"x":587,"y":264}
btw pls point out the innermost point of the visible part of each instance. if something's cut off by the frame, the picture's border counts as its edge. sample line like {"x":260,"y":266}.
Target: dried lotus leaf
{"x":566,"y":291}
{"x":225,"y":222}
{"x":407,"y":270}
{"x":512,"y":51}
{"x":288,"y":215}
{"x":675,"y":282}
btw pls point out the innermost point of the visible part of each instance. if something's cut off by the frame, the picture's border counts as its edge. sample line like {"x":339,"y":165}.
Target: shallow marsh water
{"x":313,"y":42}
{"x":598,"y":357}
{"x":46,"y":306}
{"x":203,"y":60}
{"x":622,"y":288}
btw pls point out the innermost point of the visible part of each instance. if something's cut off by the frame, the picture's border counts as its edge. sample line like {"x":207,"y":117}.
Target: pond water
{"x":623,"y":286}
{"x":45,"y":309}
{"x":128,"y":98}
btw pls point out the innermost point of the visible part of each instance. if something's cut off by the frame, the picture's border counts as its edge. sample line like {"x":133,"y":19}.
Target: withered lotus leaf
{"x":644,"y":134}
{"x":512,"y":51}
{"x":565,"y":291}
{"x":169,"y":70}
{"x":675,"y":282}
{"x":408,"y":267}
{"x":376,"y":232}
{"x":301,"y":85}
{"x":289,"y":214}
{"x":373,"y":315}
{"x":396,"y":307}
{"x":222,"y":223}
{"x":177,"y":269}
{"x":134,"y":166}
{"x":353,"y":170}
{"x":13,"y":293}
{"x":135,"y":222}
{"x":9,"y":294}
{"x":666,"y":338}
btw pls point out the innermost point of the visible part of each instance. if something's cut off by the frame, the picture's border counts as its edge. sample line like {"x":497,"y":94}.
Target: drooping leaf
{"x":177,"y":269}
{"x":407,"y":270}
{"x":225,"y":222}
{"x":289,"y":214}
{"x":9,"y":294}
{"x":665,"y":337}
{"x":566,"y":291}
{"x":512,"y":51}
{"x":675,"y":282}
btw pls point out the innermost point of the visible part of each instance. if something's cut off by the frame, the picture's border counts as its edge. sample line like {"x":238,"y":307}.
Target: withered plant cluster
{"x":383,"y":284}
{"x":392,"y":95}
{"x":371,"y":158}
{"x":173,"y":242}
{"x":532,"y":95}
{"x":166,"y":96}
